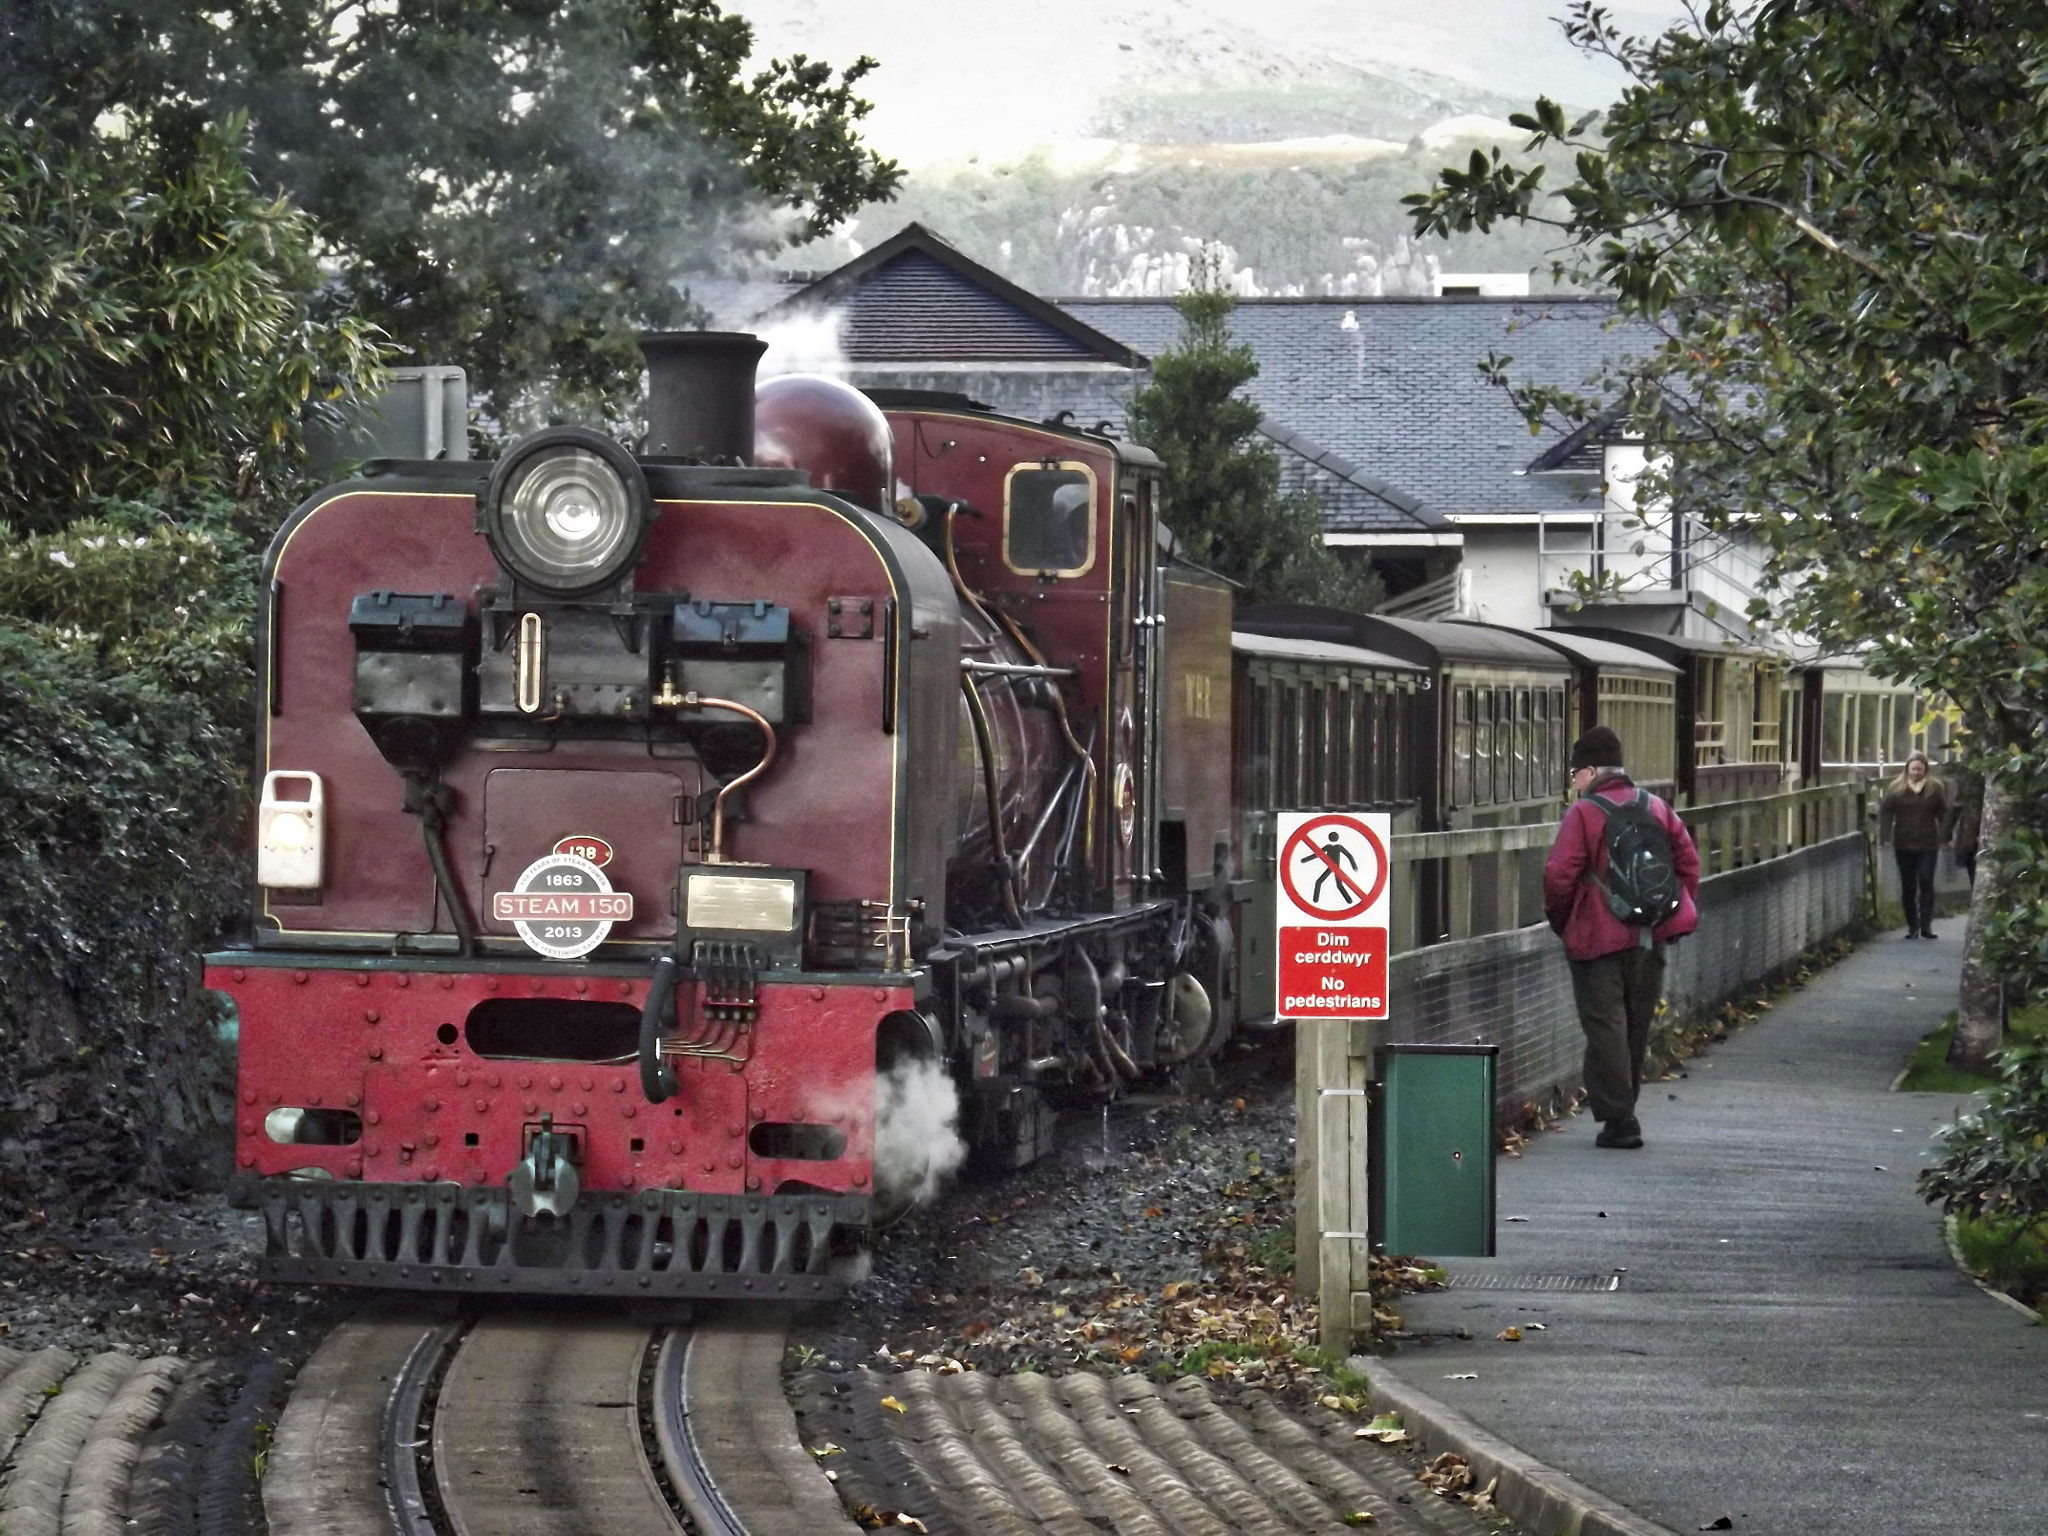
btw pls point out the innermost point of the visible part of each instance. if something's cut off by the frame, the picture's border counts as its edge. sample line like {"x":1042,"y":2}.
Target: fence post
{"x":1332,"y":1260}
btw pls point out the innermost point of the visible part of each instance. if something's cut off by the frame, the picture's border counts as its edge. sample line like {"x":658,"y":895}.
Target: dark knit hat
{"x":1598,"y":748}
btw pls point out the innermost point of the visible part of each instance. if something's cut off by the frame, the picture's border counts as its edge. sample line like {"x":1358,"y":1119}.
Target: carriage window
{"x":1286,"y":755}
{"x":1364,"y":703}
{"x":1557,"y":767}
{"x":1401,"y":748}
{"x":1343,"y":772}
{"x":1504,"y":744}
{"x":1259,"y":772}
{"x":1373,"y":746}
{"x":1902,"y":727}
{"x":1539,"y":734}
{"x":1464,"y":744}
{"x":1315,"y":751}
{"x":1710,"y":723}
{"x":1049,"y":519}
{"x":1832,"y":706}
{"x":1482,"y":749}
{"x":1869,"y":746}
{"x":1525,"y":745}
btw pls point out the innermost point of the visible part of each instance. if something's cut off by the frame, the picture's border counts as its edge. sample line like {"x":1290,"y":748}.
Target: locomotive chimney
{"x":700,"y":395}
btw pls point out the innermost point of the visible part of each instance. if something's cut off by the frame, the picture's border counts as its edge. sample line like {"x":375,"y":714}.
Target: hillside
{"x":1088,"y":150}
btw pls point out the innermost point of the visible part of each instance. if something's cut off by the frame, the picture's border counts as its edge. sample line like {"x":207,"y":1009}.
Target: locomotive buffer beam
{"x":651,"y":1243}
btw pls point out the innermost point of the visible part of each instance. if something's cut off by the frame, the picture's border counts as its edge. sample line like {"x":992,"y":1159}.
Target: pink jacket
{"x":1576,"y":906}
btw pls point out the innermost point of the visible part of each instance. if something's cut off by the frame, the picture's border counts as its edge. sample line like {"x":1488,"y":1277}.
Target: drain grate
{"x":1471,"y":1282}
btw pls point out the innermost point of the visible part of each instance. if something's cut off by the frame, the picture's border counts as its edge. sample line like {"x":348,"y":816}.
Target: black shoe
{"x":1623,"y":1134}
{"x":1927,"y":933}
{"x":1911,"y":933}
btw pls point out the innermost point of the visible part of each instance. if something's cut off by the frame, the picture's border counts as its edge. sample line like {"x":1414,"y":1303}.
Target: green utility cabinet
{"x":1430,"y":1160}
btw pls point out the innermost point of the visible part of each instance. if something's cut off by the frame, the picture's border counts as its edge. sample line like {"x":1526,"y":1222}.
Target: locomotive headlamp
{"x":567,"y":511}
{"x":289,"y":820}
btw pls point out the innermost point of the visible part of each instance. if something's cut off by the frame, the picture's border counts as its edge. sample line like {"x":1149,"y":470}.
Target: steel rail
{"x":402,"y":1432}
{"x":727,"y":1436}
{"x":682,"y":1458}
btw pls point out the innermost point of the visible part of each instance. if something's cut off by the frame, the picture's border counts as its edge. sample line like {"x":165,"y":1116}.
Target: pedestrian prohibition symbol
{"x":1333,"y":868}
{"x":1331,"y":915}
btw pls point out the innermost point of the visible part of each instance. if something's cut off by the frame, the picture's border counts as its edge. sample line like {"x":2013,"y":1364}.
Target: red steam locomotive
{"x":646,"y":838}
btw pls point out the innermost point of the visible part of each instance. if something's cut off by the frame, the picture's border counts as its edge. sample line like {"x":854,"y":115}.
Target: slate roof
{"x":1393,"y":386}
{"x":914,"y":298}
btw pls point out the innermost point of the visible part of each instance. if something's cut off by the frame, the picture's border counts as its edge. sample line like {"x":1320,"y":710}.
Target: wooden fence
{"x":1492,"y":877}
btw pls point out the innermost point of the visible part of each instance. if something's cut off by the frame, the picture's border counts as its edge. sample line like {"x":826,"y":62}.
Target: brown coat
{"x":1911,"y":819}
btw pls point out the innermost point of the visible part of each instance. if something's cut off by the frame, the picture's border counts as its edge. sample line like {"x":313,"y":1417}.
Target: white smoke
{"x":917,"y":1130}
{"x":809,"y":341}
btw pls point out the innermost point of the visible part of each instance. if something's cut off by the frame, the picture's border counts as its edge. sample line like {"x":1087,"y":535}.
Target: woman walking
{"x":1910,"y":818}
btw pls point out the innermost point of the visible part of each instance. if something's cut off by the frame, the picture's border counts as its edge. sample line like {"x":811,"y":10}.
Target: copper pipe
{"x":695,"y":700}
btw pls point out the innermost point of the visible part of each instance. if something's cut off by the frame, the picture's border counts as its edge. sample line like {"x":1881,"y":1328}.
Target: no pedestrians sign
{"x":1331,"y":910}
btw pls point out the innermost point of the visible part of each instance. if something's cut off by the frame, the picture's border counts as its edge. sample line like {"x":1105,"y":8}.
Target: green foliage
{"x":1994,"y":1163}
{"x":1272,"y":1251}
{"x":1836,"y":215}
{"x":123,"y":674}
{"x":1928,"y":1069}
{"x":2010,"y":1253}
{"x":160,"y":320}
{"x":512,"y":186}
{"x":166,"y":332}
{"x":1223,"y":497}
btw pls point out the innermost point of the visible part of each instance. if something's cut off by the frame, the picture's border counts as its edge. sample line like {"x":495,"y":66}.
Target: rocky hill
{"x":1087,"y":149}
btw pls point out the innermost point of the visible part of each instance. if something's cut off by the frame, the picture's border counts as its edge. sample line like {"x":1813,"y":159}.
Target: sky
{"x":995,"y":81}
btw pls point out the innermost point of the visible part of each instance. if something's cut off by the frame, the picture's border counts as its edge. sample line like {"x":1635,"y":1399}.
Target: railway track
{"x":544,"y":1424}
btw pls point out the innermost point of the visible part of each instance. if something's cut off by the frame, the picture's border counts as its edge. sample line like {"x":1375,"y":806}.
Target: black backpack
{"x":1642,"y":886}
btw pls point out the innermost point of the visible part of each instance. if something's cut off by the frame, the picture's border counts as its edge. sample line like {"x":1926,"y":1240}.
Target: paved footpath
{"x":1791,"y":1345}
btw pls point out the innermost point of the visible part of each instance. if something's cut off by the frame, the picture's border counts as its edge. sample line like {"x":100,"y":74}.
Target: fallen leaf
{"x":892,"y":1405}
{"x":1386,"y":1429}
{"x":827,"y":1449}
{"x":1725,"y":1523}
{"x":1509,"y":1335}
{"x":1515,"y":1218}
{"x":1361,"y":1517}
{"x":1119,"y":1469}
{"x":1463,"y":1376}
{"x":1539,"y":1327}
{"x":913,"y":1523}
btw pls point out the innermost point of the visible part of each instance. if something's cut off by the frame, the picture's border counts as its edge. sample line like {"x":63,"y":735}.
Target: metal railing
{"x":1490,"y":880}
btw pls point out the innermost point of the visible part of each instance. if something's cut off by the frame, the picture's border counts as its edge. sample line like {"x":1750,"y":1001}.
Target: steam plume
{"x":917,"y":1137}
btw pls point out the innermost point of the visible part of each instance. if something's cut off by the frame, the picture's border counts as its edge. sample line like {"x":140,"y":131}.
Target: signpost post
{"x":1331,"y":912}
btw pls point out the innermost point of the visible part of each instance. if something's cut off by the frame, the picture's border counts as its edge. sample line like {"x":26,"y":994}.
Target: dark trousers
{"x":1617,"y":997}
{"x":1916,"y":886}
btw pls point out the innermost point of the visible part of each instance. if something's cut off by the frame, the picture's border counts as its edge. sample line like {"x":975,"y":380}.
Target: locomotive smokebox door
{"x":628,"y":822}
{"x":415,"y":673}
{"x":746,"y":652}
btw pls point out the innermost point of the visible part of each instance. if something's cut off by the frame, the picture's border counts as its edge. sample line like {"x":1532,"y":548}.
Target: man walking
{"x":1622,"y":881}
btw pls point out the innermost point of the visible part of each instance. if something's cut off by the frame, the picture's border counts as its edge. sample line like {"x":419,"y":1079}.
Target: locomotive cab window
{"x":1049,"y":519}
